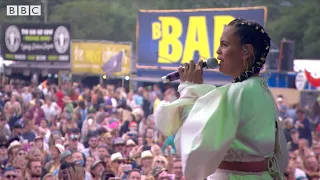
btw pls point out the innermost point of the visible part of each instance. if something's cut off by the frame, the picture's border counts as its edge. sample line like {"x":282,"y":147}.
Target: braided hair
{"x":251,"y":32}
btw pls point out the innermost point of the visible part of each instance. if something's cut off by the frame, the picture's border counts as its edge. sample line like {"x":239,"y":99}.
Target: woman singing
{"x":228,"y":132}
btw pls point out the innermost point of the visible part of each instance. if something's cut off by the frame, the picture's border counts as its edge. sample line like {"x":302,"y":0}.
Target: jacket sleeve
{"x":170,"y":116}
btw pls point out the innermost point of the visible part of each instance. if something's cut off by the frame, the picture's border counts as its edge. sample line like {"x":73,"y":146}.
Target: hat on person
{"x":132,"y":123}
{"x":7,"y":169}
{"x":103,"y":146}
{"x":116,"y":157}
{"x":48,"y":175}
{"x":118,"y":141}
{"x":130,"y":142}
{"x":65,"y":154}
{"x":14,"y":144}
{"x":146,"y":154}
{"x":279,"y":99}
{"x":96,"y":163}
{"x":60,"y":147}
{"x":38,"y":137}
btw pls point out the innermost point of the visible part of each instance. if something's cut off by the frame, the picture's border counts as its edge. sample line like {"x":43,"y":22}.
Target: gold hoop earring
{"x":245,"y":65}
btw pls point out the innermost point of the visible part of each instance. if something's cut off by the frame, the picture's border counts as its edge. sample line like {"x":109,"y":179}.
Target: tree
{"x":299,"y":23}
{"x":116,"y":20}
{"x":96,"y":20}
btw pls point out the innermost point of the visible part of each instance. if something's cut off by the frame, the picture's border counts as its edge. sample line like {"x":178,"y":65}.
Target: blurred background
{"x":99,"y":63}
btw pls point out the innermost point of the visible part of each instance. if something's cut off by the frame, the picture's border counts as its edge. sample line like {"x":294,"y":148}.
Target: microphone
{"x":210,"y":63}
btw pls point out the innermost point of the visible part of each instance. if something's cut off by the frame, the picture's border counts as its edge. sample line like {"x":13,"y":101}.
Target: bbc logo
{"x":23,"y":10}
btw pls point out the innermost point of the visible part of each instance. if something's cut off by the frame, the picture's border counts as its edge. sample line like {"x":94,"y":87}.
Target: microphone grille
{"x":212,"y":63}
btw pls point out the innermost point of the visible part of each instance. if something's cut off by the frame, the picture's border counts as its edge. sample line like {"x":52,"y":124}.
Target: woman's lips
{"x":219,"y":59}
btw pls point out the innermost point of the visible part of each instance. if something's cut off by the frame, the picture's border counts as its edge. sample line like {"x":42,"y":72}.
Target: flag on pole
{"x":114,"y":64}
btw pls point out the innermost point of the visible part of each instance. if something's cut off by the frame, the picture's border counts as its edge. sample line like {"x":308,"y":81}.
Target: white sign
{"x":301,"y":81}
{"x":23,"y":10}
{"x":310,"y":65}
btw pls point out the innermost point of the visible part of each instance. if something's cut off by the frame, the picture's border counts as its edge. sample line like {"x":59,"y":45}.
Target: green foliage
{"x":116,"y":20}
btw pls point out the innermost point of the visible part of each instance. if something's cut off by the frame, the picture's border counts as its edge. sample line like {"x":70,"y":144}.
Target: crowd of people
{"x":302,"y":130}
{"x":75,"y":132}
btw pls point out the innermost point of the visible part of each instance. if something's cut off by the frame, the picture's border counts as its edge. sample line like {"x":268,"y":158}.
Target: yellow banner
{"x":89,"y":57}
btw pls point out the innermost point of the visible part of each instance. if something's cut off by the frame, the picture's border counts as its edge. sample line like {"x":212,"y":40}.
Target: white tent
{"x":4,"y":63}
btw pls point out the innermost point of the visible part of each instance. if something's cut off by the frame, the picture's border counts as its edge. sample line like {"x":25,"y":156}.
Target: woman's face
{"x":43,"y":123}
{"x":89,"y":161}
{"x":230,"y":53}
{"x":54,"y":152}
{"x":39,"y":143}
{"x":21,"y":153}
{"x":160,"y":163}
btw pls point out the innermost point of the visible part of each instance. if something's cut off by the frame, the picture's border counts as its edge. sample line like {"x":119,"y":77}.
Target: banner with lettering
{"x":173,"y":37}
{"x":89,"y":56}
{"x":36,"y":42}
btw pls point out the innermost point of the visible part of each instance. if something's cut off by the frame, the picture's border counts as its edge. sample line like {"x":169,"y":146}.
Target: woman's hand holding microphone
{"x":191,"y":72}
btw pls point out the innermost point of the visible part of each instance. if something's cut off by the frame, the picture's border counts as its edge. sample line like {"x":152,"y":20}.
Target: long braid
{"x":252,"y":33}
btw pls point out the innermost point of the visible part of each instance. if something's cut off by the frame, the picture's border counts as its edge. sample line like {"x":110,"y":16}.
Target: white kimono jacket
{"x":235,"y":122}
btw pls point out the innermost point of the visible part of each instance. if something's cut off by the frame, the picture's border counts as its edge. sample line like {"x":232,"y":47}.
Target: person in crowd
{"x":177,"y":169}
{"x":97,"y":169}
{"x":122,"y":142}
{"x":134,"y":175}
{"x":54,"y":165}
{"x":9,"y":173}
{"x":303,"y":125}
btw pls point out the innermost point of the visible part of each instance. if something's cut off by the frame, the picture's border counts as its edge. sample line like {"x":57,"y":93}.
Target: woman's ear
{"x":248,"y":50}
{"x":248,"y":53}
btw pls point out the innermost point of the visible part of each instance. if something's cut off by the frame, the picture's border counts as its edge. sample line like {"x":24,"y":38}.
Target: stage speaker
{"x":286,"y":56}
{"x":272,"y":60}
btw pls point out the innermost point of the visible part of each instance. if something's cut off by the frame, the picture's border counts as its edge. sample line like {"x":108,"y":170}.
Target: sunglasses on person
{"x":21,"y":153}
{"x":165,"y":178}
{"x":73,"y":137}
{"x":160,"y":162}
{"x":119,"y":162}
{"x":10,"y":176}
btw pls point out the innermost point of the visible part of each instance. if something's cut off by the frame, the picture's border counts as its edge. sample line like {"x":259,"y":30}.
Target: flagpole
{"x":123,"y":51}
{"x":122,"y":81}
